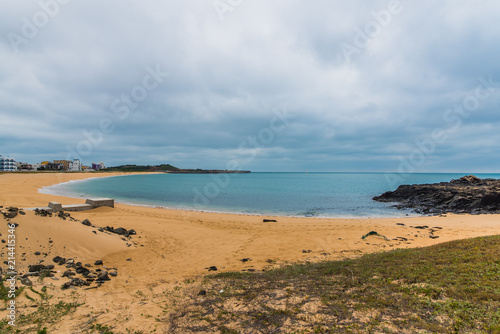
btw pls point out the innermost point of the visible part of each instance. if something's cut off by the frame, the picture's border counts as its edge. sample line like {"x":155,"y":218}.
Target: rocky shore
{"x":469,"y":194}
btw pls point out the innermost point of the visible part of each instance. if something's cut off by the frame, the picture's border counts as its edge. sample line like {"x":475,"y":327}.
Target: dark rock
{"x":11,"y":213}
{"x":43,"y":213}
{"x":98,"y":263}
{"x":35,"y":268}
{"x":26,"y":281}
{"x":46,"y":272}
{"x":38,"y":253}
{"x":120,"y":231}
{"x":374,"y":234}
{"x":82,"y":270}
{"x":468,"y":194}
{"x":50,"y":266}
{"x":212,"y":268}
{"x":246,"y":260}
{"x":131,"y":232}
{"x":269,"y":221}
{"x":87,"y":222}
{"x":75,"y":282}
{"x":22,"y":213}
{"x":202,"y":293}
{"x":113,"y":273}
{"x":68,"y":273}
{"x":103,"y":276}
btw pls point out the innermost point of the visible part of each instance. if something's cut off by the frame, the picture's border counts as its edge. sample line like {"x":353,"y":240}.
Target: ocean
{"x":325,"y":195}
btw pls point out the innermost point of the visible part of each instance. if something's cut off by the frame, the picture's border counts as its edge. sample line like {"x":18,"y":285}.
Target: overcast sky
{"x":281,"y":85}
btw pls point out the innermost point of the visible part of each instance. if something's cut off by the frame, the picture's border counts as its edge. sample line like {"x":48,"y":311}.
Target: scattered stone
{"x":400,"y":224}
{"x":82,"y":270}
{"x":26,"y":281}
{"x":22,"y":213}
{"x":421,"y":227}
{"x":129,"y":259}
{"x":212,"y":268}
{"x":68,"y":273}
{"x":113,"y":273}
{"x":202,"y":293}
{"x":63,"y":215}
{"x":246,"y":260}
{"x":98,"y":263}
{"x":11,"y":213}
{"x":38,"y":253}
{"x":131,"y":232}
{"x":374,"y":234}
{"x":36,"y":268}
{"x":269,"y":221}
{"x":434,"y":236}
{"x":103,"y":276}
{"x":75,"y":282}
{"x":87,"y":222}
{"x":43,"y":213}
{"x":306,"y":251}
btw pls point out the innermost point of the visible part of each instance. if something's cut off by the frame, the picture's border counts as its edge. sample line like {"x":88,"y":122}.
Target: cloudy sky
{"x":282,"y":85}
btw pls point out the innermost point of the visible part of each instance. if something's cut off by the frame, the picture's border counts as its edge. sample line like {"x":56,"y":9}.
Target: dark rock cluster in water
{"x":469,"y":194}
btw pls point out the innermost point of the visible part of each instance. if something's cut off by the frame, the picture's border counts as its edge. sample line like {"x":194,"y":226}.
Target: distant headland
{"x":166,"y":168}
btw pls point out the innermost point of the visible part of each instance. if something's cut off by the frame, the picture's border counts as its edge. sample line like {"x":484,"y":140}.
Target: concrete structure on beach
{"x":90,"y":203}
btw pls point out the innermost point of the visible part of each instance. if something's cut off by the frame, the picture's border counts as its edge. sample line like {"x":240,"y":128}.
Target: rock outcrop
{"x":469,"y":194}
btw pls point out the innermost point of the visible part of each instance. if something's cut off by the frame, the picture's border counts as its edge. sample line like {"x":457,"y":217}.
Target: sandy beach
{"x":172,"y":246}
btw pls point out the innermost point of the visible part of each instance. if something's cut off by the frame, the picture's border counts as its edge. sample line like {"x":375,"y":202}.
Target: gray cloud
{"x":227,"y":77}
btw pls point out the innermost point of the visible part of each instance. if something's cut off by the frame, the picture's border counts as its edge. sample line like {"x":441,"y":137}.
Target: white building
{"x":7,"y":164}
{"x":75,"y":166}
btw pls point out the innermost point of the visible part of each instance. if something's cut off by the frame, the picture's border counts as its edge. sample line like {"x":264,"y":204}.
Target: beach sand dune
{"x":173,"y":246}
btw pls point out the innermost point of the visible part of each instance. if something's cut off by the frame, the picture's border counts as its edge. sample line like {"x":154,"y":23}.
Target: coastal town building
{"x":98,"y":166}
{"x":54,"y":166}
{"x":65,"y":163}
{"x":24,"y":166}
{"x":7,"y":164}
{"x":75,"y":166}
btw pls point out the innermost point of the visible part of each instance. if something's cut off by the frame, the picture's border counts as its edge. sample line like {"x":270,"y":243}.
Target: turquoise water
{"x":283,"y":194}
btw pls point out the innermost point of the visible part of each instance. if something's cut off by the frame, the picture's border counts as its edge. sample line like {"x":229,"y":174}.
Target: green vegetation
{"x":44,"y":314}
{"x":448,"y":288}
{"x":141,"y":168}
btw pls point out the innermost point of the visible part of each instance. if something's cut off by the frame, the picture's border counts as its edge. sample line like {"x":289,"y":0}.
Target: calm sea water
{"x":284,"y":194}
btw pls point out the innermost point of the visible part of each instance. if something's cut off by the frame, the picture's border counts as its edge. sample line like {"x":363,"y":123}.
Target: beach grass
{"x":452,"y":287}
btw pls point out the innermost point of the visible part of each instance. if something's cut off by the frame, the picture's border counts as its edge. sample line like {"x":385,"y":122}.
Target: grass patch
{"x":448,"y":288}
{"x":37,"y":321}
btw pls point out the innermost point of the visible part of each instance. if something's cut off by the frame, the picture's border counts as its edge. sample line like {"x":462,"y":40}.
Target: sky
{"x":282,"y":85}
